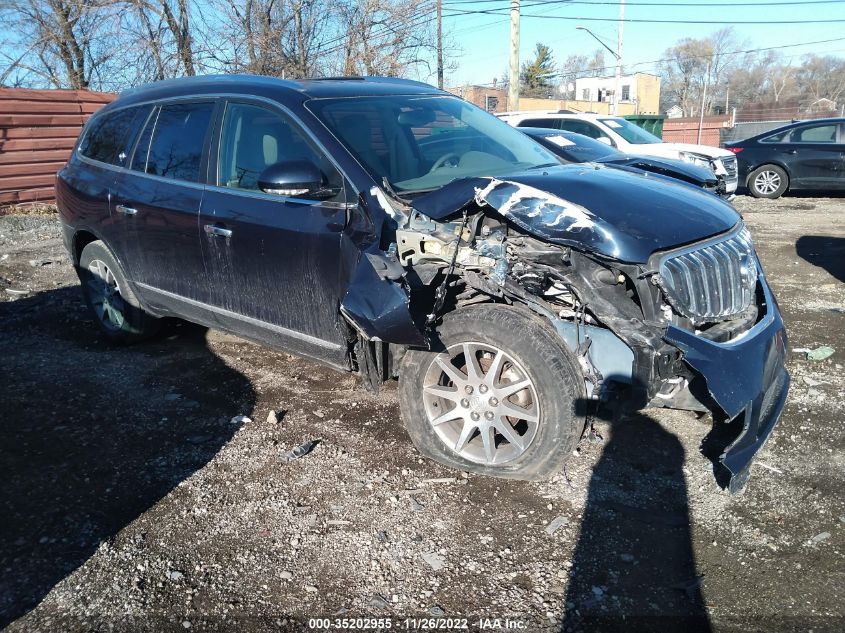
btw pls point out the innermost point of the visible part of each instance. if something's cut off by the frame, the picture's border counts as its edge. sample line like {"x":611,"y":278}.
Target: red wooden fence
{"x":685,"y":130}
{"x":38,"y":129}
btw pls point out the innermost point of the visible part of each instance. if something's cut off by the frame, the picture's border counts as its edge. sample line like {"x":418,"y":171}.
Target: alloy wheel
{"x":104,"y":294}
{"x":482,"y":403}
{"x":767,"y":182}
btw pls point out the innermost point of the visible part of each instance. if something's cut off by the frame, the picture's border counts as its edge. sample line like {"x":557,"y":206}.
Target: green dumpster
{"x":649,"y":122}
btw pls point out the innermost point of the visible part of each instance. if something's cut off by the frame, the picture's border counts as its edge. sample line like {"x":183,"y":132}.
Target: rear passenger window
{"x":178,"y":134}
{"x":815,"y":134}
{"x":109,"y":134}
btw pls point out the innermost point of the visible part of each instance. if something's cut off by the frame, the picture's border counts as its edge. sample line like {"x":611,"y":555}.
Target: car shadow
{"x":93,"y":435}
{"x":823,"y":251}
{"x":633,"y":568}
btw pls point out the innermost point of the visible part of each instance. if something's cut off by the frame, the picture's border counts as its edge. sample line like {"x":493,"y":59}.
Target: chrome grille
{"x":712,"y":282}
{"x":729,"y":163}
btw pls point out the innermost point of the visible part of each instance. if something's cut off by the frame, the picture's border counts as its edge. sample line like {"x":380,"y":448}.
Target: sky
{"x":484,"y":39}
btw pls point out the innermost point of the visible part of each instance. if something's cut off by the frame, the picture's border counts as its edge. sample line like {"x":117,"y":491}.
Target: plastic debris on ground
{"x":299,"y":451}
{"x":820,"y":353}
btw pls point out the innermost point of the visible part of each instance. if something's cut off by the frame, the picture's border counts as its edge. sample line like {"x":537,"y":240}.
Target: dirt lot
{"x":131,"y":502}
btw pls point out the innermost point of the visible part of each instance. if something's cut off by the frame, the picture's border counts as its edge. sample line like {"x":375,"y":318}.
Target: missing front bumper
{"x":747,"y":379}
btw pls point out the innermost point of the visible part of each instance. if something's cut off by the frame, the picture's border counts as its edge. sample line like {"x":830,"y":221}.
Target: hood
{"x":618,"y":214}
{"x":666,"y":166}
{"x":671,"y":150}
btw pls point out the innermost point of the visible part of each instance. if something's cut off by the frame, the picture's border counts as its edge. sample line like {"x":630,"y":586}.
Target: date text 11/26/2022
{"x":417,"y":624}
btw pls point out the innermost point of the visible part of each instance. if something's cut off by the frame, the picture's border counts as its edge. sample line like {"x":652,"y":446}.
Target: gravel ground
{"x":131,"y":500}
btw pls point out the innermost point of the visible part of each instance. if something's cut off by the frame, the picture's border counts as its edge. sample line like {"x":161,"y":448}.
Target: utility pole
{"x":440,"y":44}
{"x":618,"y":82}
{"x":513,"y":73}
{"x":703,"y":102}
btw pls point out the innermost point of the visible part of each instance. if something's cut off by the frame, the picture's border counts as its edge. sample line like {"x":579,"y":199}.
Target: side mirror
{"x":294,"y":178}
{"x":605,"y":140}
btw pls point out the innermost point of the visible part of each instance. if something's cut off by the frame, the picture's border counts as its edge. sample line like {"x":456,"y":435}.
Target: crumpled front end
{"x":694,"y":327}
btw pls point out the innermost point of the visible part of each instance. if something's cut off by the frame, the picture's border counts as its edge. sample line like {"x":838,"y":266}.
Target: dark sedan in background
{"x":577,"y":148}
{"x":805,"y":155}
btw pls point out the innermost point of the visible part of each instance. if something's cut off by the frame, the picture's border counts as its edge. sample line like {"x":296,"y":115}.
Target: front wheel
{"x":768,"y":181}
{"x":501,"y":395}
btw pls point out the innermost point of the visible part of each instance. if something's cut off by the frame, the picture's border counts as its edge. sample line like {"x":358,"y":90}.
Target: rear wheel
{"x":114,"y":307}
{"x":501,"y":395}
{"x":768,"y":181}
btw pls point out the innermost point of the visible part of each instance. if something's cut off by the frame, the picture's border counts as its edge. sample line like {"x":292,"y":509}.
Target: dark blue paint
{"x":635,"y":215}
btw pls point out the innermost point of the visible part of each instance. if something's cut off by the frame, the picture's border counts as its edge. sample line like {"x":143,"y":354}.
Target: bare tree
{"x":60,"y":42}
{"x":275,"y":37}
{"x":381,"y":37}
{"x":571,"y":69}
{"x":821,"y":77}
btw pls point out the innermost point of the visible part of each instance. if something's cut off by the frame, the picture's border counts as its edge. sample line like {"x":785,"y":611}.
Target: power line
{"x":660,"y":4}
{"x":457,"y":12}
{"x":420,"y":20}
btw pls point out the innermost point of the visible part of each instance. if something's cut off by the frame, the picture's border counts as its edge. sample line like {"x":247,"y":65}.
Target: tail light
{"x":735,"y":150}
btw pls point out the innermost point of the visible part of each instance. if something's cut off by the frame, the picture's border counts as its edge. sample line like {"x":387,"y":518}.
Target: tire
{"x":112,"y":304}
{"x":518,"y":347}
{"x":768,"y":181}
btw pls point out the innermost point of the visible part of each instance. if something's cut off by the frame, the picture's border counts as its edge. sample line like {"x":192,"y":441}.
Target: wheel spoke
{"x":488,"y":439}
{"x":448,"y":416}
{"x":513,"y":411}
{"x":512,"y":388}
{"x":510,"y":434}
{"x":440,"y":391}
{"x":474,"y":372}
{"x":97,"y":269}
{"x":495,"y":368}
{"x":455,"y":375}
{"x":466,"y":433}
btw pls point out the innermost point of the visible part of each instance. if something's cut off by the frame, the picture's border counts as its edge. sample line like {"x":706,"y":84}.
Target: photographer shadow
{"x":634,"y":566}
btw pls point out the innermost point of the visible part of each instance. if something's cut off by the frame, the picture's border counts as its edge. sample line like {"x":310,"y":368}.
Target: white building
{"x":640,"y":89}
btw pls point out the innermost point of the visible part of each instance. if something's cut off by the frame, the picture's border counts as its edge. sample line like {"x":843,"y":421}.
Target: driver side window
{"x":253,"y":138}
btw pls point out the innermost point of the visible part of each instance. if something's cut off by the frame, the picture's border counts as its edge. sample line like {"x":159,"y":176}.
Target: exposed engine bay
{"x":612,"y":315}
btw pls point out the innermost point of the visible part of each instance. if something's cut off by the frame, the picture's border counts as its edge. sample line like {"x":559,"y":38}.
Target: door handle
{"x":125,"y":210}
{"x":213,"y":229}
{"x":791,"y":151}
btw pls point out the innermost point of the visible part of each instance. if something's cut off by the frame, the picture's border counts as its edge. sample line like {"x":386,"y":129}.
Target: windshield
{"x":421,"y":143}
{"x":631,"y":132}
{"x":577,"y":148}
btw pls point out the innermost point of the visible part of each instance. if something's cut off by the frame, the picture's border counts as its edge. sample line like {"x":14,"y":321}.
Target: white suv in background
{"x":631,"y":139}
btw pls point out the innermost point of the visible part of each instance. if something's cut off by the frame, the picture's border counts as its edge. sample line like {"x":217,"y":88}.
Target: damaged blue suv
{"x":386,"y":228}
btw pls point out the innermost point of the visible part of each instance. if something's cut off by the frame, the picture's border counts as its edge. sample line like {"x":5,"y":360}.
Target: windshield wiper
{"x":544,"y":165}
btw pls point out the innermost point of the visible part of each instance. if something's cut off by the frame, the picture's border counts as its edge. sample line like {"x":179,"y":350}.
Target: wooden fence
{"x":685,"y":130}
{"x":38,"y":129}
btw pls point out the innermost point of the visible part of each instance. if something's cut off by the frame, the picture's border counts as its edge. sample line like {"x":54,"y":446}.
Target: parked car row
{"x":386,"y":228}
{"x":631,"y":139}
